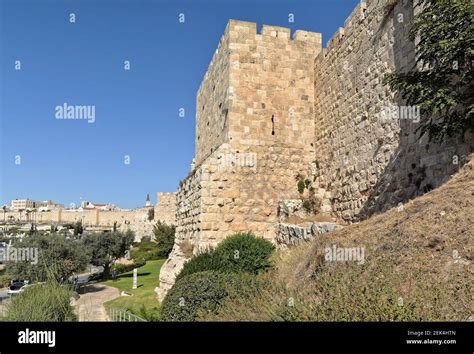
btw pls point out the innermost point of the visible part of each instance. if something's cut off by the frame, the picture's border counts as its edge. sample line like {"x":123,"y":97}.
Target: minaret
{"x":148,"y":202}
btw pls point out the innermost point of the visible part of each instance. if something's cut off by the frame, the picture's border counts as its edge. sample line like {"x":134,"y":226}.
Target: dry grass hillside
{"x":418,"y":265}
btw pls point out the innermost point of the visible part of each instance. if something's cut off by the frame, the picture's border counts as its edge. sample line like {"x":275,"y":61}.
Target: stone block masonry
{"x":370,"y":160}
{"x":272,"y":106}
{"x":254,"y":133}
{"x":165,"y":208}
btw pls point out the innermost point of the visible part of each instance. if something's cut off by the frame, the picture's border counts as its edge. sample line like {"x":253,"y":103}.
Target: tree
{"x":53,"y":253}
{"x":78,"y":228}
{"x":107,"y":247}
{"x":164,"y":237}
{"x":443,"y":85}
{"x":151,"y":214}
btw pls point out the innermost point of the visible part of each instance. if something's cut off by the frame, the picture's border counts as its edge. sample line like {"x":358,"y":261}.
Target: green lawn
{"x":144,"y":297}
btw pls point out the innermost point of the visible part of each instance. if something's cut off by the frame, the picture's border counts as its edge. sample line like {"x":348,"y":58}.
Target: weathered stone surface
{"x":290,"y":235}
{"x":370,"y":161}
{"x":271,"y":107}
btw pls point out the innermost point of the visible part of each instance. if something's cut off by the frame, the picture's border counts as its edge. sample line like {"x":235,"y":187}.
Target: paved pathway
{"x":90,"y":305}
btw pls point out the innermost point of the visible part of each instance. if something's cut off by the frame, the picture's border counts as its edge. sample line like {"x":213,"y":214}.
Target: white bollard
{"x":135,"y":278}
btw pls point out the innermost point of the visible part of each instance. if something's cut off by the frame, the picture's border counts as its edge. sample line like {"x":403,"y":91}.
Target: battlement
{"x":357,"y":15}
{"x":240,"y":29}
{"x":158,"y":194}
{"x":163,"y":198}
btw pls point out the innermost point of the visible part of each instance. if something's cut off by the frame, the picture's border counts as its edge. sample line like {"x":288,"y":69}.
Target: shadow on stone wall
{"x":417,"y":165}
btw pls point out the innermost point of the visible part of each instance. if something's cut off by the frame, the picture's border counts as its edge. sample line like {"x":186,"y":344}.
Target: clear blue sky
{"x":136,"y":110}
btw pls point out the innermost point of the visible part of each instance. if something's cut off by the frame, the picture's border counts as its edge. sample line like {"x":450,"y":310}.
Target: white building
{"x":28,"y":204}
{"x":85,"y":205}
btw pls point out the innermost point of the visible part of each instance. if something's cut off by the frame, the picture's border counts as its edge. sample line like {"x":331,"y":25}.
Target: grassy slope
{"x":144,"y":295}
{"x":418,"y":266}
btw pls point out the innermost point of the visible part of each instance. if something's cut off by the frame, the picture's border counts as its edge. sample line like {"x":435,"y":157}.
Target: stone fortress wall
{"x":135,"y":219}
{"x":165,"y":207}
{"x":212,"y":104}
{"x":271,"y":106}
{"x":368,"y":161}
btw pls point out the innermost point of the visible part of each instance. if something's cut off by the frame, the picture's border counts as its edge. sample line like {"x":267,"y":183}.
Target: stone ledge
{"x":291,"y":235}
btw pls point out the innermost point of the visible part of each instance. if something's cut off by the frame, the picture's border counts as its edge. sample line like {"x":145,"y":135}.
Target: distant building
{"x":22,"y":204}
{"x":85,"y":205}
{"x":28,"y":204}
{"x":48,"y":205}
{"x":148,"y":201}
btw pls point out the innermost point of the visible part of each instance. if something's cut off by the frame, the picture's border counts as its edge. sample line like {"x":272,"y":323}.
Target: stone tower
{"x":254,"y":134}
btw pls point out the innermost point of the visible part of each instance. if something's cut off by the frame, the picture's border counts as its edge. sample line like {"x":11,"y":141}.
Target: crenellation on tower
{"x":312,"y":38}
{"x":282,"y":33}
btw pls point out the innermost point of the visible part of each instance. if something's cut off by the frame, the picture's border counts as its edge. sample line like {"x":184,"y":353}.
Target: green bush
{"x":244,"y":252}
{"x":49,"y":302}
{"x":143,"y":239}
{"x":200,"y":263}
{"x":124,"y":268}
{"x":307,"y":205}
{"x":78,"y":228}
{"x":198,"y":294}
{"x":301,"y":186}
{"x":164,"y":238}
{"x":148,"y":250}
{"x":241,"y":252}
{"x":151,"y":315}
{"x":5,"y":281}
{"x":151,"y":214}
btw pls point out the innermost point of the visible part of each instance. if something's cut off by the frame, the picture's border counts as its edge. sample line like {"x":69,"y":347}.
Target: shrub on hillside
{"x":78,"y":228}
{"x":244,"y":252}
{"x":164,"y":237}
{"x":124,"y":268}
{"x":5,"y":281}
{"x":147,"y":250}
{"x":241,"y":252}
{"x":206,"y":261}
{"x":49,"y":302}
{"x":199,"y":294}
{"x":348,"y":292}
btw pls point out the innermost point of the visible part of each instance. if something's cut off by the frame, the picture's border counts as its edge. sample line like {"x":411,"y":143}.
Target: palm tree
{"x":4,"y":212}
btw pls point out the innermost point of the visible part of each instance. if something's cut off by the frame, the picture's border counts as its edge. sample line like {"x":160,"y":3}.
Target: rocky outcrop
{"x":170,"y":270}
